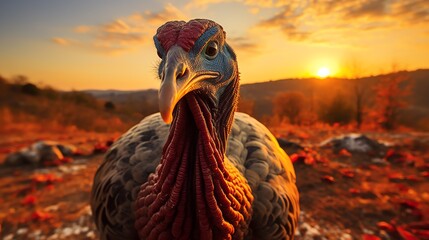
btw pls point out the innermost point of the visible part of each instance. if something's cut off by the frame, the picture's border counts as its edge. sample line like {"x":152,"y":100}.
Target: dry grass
{"x":51,"y":110}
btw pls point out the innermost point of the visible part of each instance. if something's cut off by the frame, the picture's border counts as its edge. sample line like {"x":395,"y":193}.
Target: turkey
{"x":197,"y":169}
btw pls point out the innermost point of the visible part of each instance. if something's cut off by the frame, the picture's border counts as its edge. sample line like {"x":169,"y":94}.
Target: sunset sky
{"x":107,"y":44}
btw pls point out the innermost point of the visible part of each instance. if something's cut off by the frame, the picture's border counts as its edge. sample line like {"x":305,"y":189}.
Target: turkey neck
{"x":194,"y":194}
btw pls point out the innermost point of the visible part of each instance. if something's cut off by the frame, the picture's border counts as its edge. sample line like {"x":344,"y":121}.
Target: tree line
{"x":378,"y":105}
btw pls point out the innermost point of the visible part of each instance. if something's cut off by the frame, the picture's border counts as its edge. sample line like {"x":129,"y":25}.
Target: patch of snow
{"x":8,"y":237}
{"x":51,"y":208}
{"x":35,"y":234}
{"x":380,"y":161}
{"x":90,"y":235}
{"x":70,"y":169}
{"x":346,"y":236}
{"x":54,"y":236}
{"x":67,"y":232}
{"x":22,"y":231}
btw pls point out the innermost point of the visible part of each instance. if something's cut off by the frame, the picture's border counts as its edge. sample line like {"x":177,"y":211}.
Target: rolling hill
{"x":316,"y":90}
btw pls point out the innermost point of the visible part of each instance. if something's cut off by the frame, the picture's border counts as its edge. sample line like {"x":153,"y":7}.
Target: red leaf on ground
{"x":417,"y":213}
{"x":66,"y":160}
{"x":29,"y":200}
{"x":39,"y":215}
{"x":373,"y":167}
{"x":395,"y":176}
{"x":354,"y":191}
{"x":425,"y":174}
{"x":424,"y":166}
{"x":6,"y":150}
{"x":309,"y":160}
{"x":322,"y":160}
{"x":39,"y":178}
{"x":402,"y":187}
{"x":421,"y":234}
{"x":370,"y":237}
{"x":100,"y":148}
{"x":328,"y":179}
{"x":344,"y":153}
{"x":411,"y":204}
{"x":413,"y":178}
{"x":302,"y":157}
{"x":390,"y":153}
{"x":348,"y":173}
{"x":46,"y":178}
{"x":386,"y":226}
{"x":78,"y":152}
{"x":399,"y":157}
{"x":294,"y":158}
{"x":405,"y":234}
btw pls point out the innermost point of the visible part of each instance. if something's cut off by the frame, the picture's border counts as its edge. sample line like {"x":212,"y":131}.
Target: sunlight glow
{"x":323,"y":72}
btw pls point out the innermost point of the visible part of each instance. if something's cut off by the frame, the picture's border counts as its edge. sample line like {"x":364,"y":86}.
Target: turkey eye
{"x":211,"y":50}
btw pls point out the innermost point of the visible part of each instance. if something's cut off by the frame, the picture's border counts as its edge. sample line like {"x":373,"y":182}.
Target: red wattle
{"x":194,"y":193}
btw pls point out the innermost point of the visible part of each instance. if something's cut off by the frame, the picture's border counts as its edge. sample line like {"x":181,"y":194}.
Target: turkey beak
{"x":175,"y":82}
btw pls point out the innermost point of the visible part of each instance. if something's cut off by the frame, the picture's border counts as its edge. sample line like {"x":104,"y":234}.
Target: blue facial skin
{"x":223,"y":62}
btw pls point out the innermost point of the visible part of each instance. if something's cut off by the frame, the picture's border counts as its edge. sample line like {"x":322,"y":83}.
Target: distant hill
{"x":263,"y":93}
{"x":24,"y":105}
{"x":144,"y":102}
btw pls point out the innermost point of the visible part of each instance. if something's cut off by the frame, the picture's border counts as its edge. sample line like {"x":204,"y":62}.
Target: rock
{"x":355,"y":143}
{"x":40,"y":152}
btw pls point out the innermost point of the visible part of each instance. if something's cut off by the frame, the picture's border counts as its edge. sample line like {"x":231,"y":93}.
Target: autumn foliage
{"x":390,"y":99}
{"x":25,"y":105}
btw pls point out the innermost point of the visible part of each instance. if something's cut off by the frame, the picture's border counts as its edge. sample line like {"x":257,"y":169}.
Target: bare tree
{"x":338,"y":110}
{"x":360,"y":91}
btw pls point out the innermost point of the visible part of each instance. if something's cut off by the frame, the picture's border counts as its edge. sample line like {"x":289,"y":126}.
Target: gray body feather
{"x":251,"y":148}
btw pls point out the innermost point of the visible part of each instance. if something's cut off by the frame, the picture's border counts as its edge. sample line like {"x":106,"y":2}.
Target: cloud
{"x":368,"y":8}
{"x":169,"y":13}
{"x":413,"y":11}
{"x":243,"y":44}
{"x":251,"y":3}
{"x":309,"y":20}
{"x":61,"y":41}
{"x":121,"y":35}
{"x":287,"y":20}
{"x":82,"y":29}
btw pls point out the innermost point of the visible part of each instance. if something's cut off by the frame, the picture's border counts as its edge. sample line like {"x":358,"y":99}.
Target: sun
{"x":323,"y":72}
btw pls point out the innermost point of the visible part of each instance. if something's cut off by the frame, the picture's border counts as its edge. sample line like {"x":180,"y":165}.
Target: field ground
{"x":343,"y":195}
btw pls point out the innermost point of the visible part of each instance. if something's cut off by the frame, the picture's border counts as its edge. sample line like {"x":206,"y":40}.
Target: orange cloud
{"x":61,"y":41}
{"x":252,"y":3}
{"x":243,"y":44}
{"x":82,"y":29}
{"x":124,"y":34}
{"x":310,"y":21}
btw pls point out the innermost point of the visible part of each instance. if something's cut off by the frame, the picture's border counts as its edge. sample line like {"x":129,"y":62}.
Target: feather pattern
{"x":251,"y":149}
